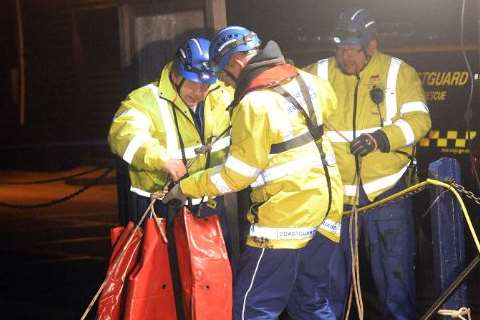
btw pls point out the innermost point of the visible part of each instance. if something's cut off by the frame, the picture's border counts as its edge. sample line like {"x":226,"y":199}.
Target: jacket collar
{"x":266,"y":69}
{"x":371,"y":66}
{"x":167,"y":90}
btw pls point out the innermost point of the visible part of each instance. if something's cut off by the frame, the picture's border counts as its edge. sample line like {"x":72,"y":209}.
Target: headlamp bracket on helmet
{"x":202,"y":72}
{"x":228,"y":45}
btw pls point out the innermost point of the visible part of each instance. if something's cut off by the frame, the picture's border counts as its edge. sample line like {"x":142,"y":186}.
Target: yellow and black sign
{"x":448,"y":141}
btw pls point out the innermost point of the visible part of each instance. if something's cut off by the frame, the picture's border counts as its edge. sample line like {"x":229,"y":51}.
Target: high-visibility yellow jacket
{"x":403,"y":112}
{"x":289,"y":189}
{"x":144,"y":131}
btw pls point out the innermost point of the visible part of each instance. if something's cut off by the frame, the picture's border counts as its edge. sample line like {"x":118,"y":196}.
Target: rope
{"x":421,"y":186}
{"x":159,"y":195}
{"x":154,"y":197}
{"x":57,"y":201}
{"x":433,"y":203}
{"x":63,"y":178}
{"x":353,"y":230}
{"x":456,"y":314}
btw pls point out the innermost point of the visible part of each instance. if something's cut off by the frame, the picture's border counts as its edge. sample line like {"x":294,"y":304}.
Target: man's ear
{"x":372,"y":47}
{"x":174,"y":76}
{"x":238,"y":59}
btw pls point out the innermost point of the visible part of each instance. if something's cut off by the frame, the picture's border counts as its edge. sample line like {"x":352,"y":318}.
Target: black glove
{"x":175,"y":195}
{"x":366,"y":143}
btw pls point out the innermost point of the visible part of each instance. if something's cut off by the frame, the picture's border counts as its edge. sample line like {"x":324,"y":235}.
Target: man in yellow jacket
{"x":381,"y":115}
{"x":279,"y":150}
{"x":179,"y":121}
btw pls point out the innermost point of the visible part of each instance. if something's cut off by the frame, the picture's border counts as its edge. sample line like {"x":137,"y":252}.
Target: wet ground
{"x":54,"y":258}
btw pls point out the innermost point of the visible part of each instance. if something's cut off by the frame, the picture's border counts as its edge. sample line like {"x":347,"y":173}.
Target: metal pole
{"x":448,"y":292}
{"x":21,"y":61}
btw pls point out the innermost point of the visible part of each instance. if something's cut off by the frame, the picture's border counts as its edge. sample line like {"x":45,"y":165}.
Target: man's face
{"x":351,"y":58}
{"x":193,"y":93}
{"x":224,"y":76}
{"x":232,"y":70}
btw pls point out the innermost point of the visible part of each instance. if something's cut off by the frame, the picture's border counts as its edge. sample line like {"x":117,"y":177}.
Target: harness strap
{"x":315,"y":131}
{"x":292,"y":143}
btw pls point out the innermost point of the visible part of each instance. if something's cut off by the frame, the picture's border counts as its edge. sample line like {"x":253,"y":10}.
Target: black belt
{"x":297,"y":141}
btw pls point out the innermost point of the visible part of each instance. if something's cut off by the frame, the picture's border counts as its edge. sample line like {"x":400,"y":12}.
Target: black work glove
{"x":176,"y":196}
{"x":366,"y":143}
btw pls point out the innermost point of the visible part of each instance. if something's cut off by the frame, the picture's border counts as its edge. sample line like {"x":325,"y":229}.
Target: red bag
{"x":113,"y":294}
{"x":150,"y":290}
{"x":205,"y":272}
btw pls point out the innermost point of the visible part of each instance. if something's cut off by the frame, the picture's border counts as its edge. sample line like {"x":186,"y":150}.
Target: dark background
{"x":75,"y":78}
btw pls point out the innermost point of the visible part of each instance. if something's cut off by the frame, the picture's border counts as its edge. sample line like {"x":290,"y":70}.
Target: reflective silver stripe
{"x":251,"y":283}
{"x":189,"y":152}
{"x":220,"y":184}
{"x":416,"y":106}
{"x":139,"y":118}
{"x":282,"y":233}
{"x":355,"y":14}
{"x":349,"y":190}
{"x":330,"y":159}
{"x":140,"y":192}
{"x":134,"y":145}
{"x":340,"y":136}
{"x":167,"y":119}
{"x":226,"y":43}
{"x":198,"y":46}
{"x":375,"y":185}
{"x":221,"y":144}
{"x":391,"y":90}
{"x":285,"y":169}
{"x":241,"y":167}
{"x":196,"y":201}
{"x":227,"y":98}
{"x":406,"y":130}
{"x":147,"y":194}
{"x":331,"y":226}
{"x":322,"y":69}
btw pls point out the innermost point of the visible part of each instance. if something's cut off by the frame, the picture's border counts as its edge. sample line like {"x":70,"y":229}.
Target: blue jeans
{"x":387,"y":248}
{"x":271,"y":280}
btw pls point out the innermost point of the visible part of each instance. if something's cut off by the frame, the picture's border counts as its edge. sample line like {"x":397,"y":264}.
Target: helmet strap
{"x":178,"y":86}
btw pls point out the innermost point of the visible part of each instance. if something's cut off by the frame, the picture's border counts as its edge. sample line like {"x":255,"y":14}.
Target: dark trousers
{"x":271,"y":280}
{"x":387,"y":251}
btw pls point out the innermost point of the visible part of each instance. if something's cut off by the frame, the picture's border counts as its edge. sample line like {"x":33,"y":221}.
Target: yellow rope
{"x":353,"y":230}
{"x":422,"y":185}
{"x":460,"y":313}
{"x":116,"y":263}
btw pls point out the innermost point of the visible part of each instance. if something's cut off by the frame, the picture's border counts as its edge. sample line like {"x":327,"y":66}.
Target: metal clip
{"x":203,"y":149}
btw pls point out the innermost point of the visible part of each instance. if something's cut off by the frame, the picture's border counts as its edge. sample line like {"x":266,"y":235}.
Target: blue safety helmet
{"x":192,"y":61}
{"x":354,"y":26}
{"x":228,"y":41}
